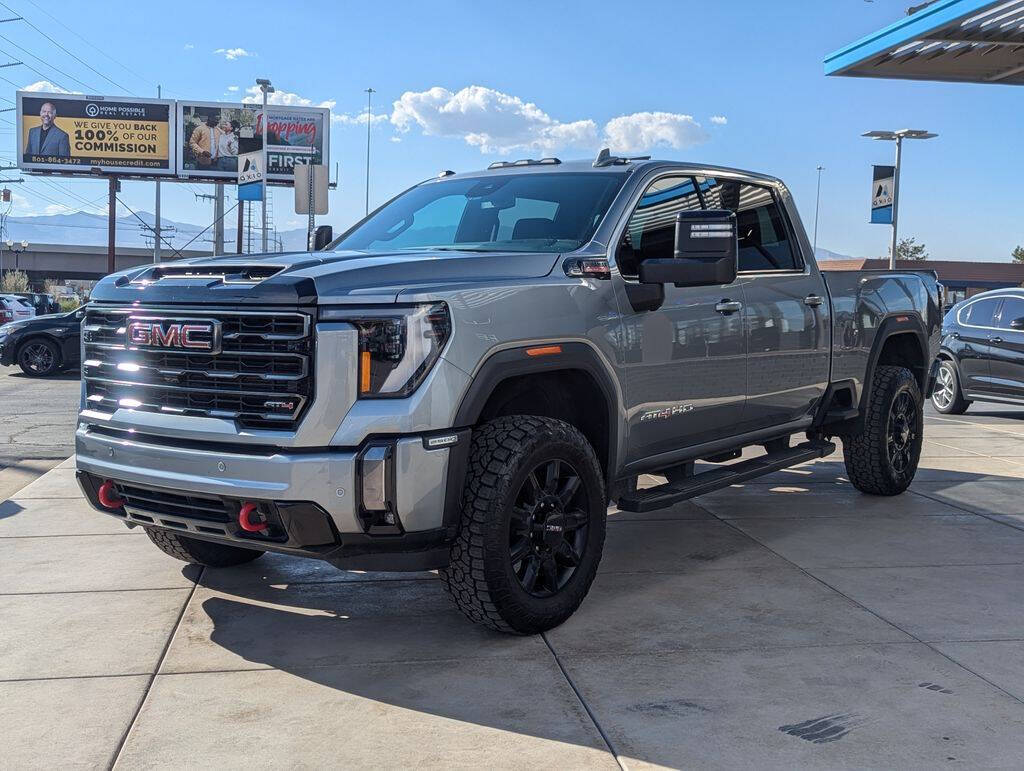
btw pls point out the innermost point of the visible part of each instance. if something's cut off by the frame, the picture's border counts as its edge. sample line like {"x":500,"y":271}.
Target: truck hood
{"x":301,"y":278}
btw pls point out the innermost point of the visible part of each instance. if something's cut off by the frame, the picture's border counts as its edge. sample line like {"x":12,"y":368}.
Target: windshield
{"x":520,"y":213}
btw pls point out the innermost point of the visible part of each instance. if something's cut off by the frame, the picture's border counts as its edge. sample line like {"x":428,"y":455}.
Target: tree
{"x":14,"y":281}
{"x":1017,"y":255}
{"x":909,"y":249}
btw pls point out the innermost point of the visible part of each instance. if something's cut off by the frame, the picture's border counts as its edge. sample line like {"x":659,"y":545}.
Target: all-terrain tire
{"x":199,"y":552}
{"x":947,"y":396}
{"x":882,"y":458}
{"x":481,"y":577}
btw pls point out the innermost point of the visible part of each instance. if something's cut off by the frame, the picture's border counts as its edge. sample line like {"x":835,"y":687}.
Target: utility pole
{"x":218,"y":220}
{"x":266,"y":88}
{"x":817,"y":204}
{"x":209,"y":197}
{"x":238,"y":235}
{"x":156,"y":212}
{"x":112,"y":188}
{"x":369,"y":95}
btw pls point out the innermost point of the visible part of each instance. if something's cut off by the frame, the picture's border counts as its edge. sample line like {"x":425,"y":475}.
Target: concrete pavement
{"x":787,"y":622}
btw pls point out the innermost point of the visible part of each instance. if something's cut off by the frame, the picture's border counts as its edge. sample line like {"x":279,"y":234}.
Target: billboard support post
{"x":156,"y":211}
{"x":218,"y":220}
{"x":111,"y":222}
{"x":238,"y":235}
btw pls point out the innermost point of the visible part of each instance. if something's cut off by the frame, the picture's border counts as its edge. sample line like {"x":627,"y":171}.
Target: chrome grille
{"x":261,"y":377}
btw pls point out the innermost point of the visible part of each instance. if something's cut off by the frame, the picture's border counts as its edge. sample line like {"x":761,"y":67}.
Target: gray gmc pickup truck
{"x":464,"y":379}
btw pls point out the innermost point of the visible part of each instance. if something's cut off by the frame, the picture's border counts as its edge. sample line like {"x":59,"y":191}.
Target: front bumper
{"x":6,"y":353}
{"x":363,"y":508}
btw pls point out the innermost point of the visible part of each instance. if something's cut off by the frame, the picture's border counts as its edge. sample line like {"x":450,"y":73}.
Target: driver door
{"x":685,"y":361}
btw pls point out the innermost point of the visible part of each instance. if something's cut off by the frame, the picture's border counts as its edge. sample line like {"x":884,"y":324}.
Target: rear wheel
{"x":39,"y":358}
{"x":947,"y":397}
{"x":533,"y":525}
{"x":882,"y":459}
{"x":199,"y":552}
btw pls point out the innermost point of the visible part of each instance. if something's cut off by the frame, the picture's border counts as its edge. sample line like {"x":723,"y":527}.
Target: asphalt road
{"x":37,"y":425}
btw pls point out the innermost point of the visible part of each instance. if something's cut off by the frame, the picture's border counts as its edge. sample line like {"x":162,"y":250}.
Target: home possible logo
{"x":92,"y":110}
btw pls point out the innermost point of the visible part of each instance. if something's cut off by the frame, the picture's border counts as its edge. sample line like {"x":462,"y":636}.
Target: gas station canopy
{"x":965,"y":41}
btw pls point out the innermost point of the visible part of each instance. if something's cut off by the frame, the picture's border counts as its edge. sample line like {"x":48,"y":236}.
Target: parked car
{"x":15,"y":308}
{"x":476,"y":369}
{"x":42,"y":302}
{"x":44,"y":345}
{"x":981,"y":357}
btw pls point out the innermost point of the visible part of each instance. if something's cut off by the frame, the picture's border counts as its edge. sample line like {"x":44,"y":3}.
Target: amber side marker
{"x":544,"y":350}
{"x":364,"y":372}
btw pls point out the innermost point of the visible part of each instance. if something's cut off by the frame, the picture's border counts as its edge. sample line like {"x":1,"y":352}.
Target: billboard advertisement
{"x":882,"y":183}
{"x":210,"y":134}
{"x":73,"y":133}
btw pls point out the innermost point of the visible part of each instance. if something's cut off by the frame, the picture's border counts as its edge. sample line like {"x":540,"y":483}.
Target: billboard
{"x":210,"y":134}
{"x":76,"y":133}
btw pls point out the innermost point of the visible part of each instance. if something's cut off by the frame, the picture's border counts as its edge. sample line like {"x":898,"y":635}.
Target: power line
{"x":29,"y":66}
{"x":69,"y":53}
{"x":84,"y":40}
{"x":51,"y":66}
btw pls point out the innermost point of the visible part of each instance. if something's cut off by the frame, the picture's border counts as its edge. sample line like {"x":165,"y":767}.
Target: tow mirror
{"x":706,"y":251}
{"x":322,"y":236}
{"x":1017,"y":323}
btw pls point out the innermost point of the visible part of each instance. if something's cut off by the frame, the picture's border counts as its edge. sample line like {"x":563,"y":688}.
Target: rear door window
{"x":979,"y":313}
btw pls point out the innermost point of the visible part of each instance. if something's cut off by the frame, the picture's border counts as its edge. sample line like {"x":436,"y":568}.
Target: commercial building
{"x":961,"y":279}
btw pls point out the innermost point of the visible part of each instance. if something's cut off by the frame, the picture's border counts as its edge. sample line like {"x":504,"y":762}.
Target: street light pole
{"x":817,"y":204}
{"x":369,"y":95}
{"x":897,"y":137}
{"x":266,"y":88}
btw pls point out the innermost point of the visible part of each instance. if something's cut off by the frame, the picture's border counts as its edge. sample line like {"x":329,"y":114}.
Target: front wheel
{"x":39,"y":358}
{"x":947,"y":397}
{"x":533,"y":525}
{"x":882,"y":459}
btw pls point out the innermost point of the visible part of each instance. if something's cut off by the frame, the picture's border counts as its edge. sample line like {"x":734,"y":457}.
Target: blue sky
{"x":735,"y":83}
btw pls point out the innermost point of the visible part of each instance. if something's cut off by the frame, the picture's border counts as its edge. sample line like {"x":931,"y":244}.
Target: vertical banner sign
{"x":76,"y":134}
{"x":250,"y":165}
{"x":882,"y":181}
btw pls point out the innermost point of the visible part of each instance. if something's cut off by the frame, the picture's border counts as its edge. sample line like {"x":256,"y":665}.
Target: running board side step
{"x":668,"y":494}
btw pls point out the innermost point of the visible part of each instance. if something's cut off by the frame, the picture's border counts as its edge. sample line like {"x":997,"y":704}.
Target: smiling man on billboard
{"x":46,"y":138}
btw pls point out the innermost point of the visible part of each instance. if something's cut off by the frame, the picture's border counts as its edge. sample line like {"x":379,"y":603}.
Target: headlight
{"x":398,"y":345}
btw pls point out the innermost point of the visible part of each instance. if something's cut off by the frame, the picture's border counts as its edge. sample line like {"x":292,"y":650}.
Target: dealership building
{"x":961,"y":279}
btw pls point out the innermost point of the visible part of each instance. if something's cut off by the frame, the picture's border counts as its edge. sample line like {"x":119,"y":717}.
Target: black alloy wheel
{"x":548,"y":528}
{"x":901,"y":433}
{"x":38,"y":358}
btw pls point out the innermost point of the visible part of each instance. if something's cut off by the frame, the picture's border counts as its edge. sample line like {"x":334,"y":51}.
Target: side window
{"x":979,"y":313}
{"x":651,"y":230}
{"x":763,"y":239}
{"x":1013,"y":309}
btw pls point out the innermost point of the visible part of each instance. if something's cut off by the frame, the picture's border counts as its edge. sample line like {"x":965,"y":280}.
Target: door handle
{"x":813,"y":300}
{"x":995,"y":340}
{"x":728,"y":306}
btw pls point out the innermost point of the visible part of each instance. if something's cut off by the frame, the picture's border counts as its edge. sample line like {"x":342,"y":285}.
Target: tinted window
{"x":551,"y":212}
{"x":651,"y":231}
{"x":763,"y":239}
{"x":979,"y":313}
{"x":1013,"y":308}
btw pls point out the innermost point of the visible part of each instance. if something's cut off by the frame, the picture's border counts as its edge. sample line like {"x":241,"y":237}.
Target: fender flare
{"x":515,"y":362}
{"x":897,"y":323}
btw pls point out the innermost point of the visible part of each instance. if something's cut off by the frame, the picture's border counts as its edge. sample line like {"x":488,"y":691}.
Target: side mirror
{"x":1017,"y":323}
{"x":322,"y":236}
{"x":706,"y":251}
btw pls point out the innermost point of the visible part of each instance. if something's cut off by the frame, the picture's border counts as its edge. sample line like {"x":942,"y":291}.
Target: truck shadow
{"x":667,"y":585}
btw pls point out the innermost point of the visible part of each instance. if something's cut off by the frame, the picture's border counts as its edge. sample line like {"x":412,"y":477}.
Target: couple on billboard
{"x":214,"y":143}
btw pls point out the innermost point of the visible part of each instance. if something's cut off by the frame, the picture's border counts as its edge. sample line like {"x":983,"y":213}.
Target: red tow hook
{"x":247,"y":524}
{"x":108,"y":496}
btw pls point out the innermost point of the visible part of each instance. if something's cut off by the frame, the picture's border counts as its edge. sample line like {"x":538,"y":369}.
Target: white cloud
{"x":719,"y":120}
{"x":234,"y":53}
{"x":488,"y":119}
{"x":647,"y":130}
{"x":344,"y":119}
{"x":253,"y":95}
{"x":45,"y":85}
{"x":232,"y":88}
{"x":189,"y":46}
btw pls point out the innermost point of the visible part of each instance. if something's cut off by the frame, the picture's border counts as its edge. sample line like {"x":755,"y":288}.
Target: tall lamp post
{"x":369,"y":95}
{"x":16,"y":248}
{"x":817,"y":204}
{"x":897,"y":137}
{"x":266,"y":88}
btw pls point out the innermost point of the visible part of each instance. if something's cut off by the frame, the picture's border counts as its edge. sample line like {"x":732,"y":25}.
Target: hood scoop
{"x":208,"y":274}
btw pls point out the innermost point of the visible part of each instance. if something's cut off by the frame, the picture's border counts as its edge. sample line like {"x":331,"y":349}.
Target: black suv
{"x":982,"y":353}
{"x":43,"y":346}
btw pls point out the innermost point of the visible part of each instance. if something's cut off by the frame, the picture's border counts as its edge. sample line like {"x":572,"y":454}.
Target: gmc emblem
{"x":182,"y":334}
